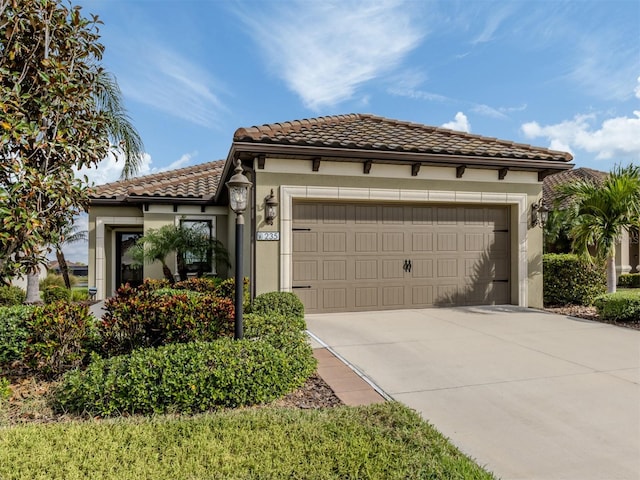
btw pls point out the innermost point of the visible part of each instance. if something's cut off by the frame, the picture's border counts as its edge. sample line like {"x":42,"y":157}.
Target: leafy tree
{"x":59,"y":110}
{"x":599,"y":213}
{"x":69,"y":234}
{"x":157,"y":244}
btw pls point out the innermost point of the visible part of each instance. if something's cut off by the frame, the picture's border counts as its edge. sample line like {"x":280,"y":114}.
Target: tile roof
{"x":370,"y":132}
{"x":550,"y":193}
{"x":198,"y":182}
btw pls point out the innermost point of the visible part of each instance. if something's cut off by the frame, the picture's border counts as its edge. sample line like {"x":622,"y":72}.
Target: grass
{"x":384,"y":441}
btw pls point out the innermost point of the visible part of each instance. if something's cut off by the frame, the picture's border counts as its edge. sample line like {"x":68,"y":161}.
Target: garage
{"x":363,"y":256}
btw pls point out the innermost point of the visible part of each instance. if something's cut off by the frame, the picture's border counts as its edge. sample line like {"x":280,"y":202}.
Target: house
{"x":628,"y":248}
{"x":373,"y":213}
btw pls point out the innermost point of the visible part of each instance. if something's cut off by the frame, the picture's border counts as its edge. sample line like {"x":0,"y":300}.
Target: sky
{"x":550,"y":73}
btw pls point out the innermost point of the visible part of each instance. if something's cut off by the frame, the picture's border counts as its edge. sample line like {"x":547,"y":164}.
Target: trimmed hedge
{"x":278,"y":303}
{"x":61,"y":335}
{"x":191,"y":377}
{"x":619,"y":306}
{"x":14,"y":332}
{"x":571,"y":280}
{"x":629,"y":280}
{"x":11,"y":295}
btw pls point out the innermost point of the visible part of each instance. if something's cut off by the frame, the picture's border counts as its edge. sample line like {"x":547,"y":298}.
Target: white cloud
{"x":616,"y":138}
{"x":500,"y":112}
{"x":110,"y":169}
{"x":637,"y":89}
{"x":494,"y":20}
{"x":170,"y":82}
{"x":325,"y":50}
{"x":460,"y":123}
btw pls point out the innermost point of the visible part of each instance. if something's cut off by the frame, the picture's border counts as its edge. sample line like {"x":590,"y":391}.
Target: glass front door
{"x":127,"y":271}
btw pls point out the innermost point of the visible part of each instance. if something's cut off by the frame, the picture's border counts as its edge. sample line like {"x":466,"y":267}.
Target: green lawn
{"x":384,"y":441}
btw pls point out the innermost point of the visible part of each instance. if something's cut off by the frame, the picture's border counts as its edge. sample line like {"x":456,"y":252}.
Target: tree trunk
{"x":64,"y":268}
{"x":611,"y":274}
{"x":33,"y":287}
{"x":167,"y":273}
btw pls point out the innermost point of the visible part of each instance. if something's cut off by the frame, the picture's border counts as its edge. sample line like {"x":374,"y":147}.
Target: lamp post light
{"x":239,"y":186}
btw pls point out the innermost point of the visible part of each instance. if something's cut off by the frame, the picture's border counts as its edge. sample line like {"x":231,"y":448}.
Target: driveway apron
{"x":528,"y":394}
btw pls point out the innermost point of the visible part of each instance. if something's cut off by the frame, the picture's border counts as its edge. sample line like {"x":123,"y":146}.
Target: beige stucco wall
{"x":395,"y":183}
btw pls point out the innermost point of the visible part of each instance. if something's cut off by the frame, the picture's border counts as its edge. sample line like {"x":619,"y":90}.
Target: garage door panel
{"x":333,"y":242}
{"x":305,"y":270}
{"x":305,"y":242}
{"x":334,"y":270}
{"x":366,"y":242}
{"x":356,"y":256}
{"x":422,"y":242}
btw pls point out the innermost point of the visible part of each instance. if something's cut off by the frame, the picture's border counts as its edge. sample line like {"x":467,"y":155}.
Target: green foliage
{"x":384,"y":441}
{"x":571,"y":280}
{"x":60,"y":111}
{"x":55,"y":293}
{"x":629,"y":280}
{"x":79,"y":294}
{"x":14,"y":332}
{"x":190,"y":377}
{"x":52,"y":280}
{"x":61,"y":335}
{"x":227,"y":289}
{"x":5,"y":390}
{"x":202,"y":284}
{"x":619,"y":306}
{"x":145,"y":317}
{"x":11,"y":295}
{"x":279,"y":303}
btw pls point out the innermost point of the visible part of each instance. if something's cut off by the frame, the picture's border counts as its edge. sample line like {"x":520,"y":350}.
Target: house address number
{"x":268,"y":235}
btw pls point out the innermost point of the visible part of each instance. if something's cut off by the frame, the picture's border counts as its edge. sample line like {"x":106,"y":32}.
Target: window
{"x":197,"y":257}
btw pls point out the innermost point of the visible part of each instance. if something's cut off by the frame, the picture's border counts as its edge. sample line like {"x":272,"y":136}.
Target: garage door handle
{"x":407,"y":266}
{"x":301,"y":286}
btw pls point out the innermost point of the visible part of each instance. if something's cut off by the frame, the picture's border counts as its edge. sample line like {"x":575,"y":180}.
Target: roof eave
{"x":131,"y":200}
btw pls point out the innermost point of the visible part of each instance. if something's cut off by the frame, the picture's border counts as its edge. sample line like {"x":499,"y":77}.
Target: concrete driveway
{"x":528,"y":394}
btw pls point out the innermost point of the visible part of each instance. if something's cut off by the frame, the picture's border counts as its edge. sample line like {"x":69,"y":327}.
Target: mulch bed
{"x":590,"y":313}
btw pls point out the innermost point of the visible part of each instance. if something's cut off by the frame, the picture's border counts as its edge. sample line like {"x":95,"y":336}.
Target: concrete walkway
{"x":528,"y":394}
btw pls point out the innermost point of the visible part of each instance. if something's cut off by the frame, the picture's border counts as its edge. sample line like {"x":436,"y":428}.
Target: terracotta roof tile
{"x":365,"y":131}
{"x":195,"y":182}
{"x":550,"y":193}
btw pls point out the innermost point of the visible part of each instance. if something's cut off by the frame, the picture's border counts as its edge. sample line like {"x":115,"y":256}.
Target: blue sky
{"x":559,"y":74}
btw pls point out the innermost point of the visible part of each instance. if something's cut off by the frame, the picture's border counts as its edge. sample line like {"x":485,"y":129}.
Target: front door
{"x":127,"y":271}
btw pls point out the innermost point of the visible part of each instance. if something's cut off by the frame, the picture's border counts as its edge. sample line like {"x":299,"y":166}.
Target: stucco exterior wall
{"x":346,"y":181}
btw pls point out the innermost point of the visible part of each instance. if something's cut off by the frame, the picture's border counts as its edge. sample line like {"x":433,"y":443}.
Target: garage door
{"x":358,"y":256}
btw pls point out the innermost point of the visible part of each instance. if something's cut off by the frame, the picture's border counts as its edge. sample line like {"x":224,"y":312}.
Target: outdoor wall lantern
{"x":239,"y":186}
{"x":270,"y":208}
{"x":539,"y":214}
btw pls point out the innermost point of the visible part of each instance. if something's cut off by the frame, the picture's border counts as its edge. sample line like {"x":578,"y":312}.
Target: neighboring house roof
{"x":369,"y":132}
{"x":550,"y":191}
{"x":195,"y":184}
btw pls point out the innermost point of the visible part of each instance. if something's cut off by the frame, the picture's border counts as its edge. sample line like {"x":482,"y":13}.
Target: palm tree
{"x":601,"y":212}
{"x":68,"y":235}
{"x":121,"y":131}
{"x":155,"y":246}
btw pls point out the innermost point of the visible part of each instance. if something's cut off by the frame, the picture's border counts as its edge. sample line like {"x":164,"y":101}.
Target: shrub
{"x":227,"y":289}
{"x":569,"y":279}
{"x":61,"y":335}
{"x":51,"y":280}
{"x":13,"y":332}
{"x":629,"y":280}
{"x":5,"y":390}
{"x":137,"y":318}
{"x":619,"y":306}
{"x":79,"y":294}
{"x":202,"y":285}
{"x":55,"y":293}
{"x":280,"y":303}
{"x":11,"y":295}
{"x":191,"y":377}
{"x":287,"y":335}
